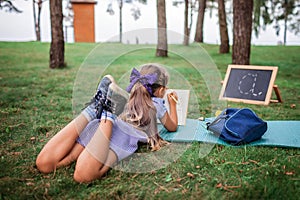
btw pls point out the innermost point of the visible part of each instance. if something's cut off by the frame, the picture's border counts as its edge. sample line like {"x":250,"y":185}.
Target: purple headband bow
{"x":145,"y":80}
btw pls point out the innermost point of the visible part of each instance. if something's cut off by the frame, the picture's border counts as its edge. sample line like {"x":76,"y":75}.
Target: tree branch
{"x":8,"y":6}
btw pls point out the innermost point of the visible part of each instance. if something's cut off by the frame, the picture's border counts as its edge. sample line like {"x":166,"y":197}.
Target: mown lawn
{"x":35,"y":102}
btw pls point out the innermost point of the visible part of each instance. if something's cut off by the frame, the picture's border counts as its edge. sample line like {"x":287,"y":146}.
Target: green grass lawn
{"x":36,"y":102}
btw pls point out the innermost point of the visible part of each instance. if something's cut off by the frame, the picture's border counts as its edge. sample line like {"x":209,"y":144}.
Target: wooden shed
{"x":84,"y":20}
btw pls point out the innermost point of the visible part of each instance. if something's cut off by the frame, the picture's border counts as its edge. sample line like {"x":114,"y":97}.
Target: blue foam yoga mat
{"x":279,"y":133}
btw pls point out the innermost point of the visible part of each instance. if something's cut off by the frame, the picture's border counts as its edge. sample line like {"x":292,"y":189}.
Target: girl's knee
{"x":82,"y":176}
{"x":85,"y":173}
{"x":78,"y":177}
{"x":43,"y":165}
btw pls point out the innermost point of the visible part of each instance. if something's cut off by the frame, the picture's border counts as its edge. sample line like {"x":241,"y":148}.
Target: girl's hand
{"x":172,"y":98}
{"x":170,"y":120}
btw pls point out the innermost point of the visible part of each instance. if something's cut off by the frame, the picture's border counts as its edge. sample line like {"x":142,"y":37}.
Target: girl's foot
{"x":95,"y":106}
{"x":116,"y":99}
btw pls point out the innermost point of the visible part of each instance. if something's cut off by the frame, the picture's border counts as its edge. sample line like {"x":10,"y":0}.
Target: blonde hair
{"x":140,"y":110}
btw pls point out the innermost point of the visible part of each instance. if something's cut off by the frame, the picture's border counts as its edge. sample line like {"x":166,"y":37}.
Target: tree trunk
{"x":242,"y":28}
{"x":57,"y":48}
{"x":34,"y":19}
{"x":37,"y":18}
{"x":200,"y":20}
{"x":38,"y":23}
{"x":224,"y":47}
{"x":36,"y":27}
{"x":121,"y":24}
{"x":285,"y":27}
{"x":162,"y":45}
{"x":186,"y":21}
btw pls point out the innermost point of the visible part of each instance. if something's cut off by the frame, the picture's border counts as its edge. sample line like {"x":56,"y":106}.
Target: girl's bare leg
{"x":72,"y":156}
{"x":62,"y":148}
{"x":96,"y":159}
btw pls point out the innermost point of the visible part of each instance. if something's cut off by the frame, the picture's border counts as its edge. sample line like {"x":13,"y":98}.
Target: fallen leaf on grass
{"x":160,"y":187}
{"x":30,"y":184}
{"x":289,"y":173}
{"x":184,"y":191}
{"x":190,"y":175}
{"x":178,"y":180}
{"x":16,"y":153}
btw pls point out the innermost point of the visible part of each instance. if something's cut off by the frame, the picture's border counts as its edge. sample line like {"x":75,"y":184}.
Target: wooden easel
{"x":234,"y":77}
{"x":277,"y":93}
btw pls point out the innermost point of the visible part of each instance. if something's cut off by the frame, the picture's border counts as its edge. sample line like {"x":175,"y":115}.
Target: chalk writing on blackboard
{"x":248,"y":84}
{"x":251,"y":91}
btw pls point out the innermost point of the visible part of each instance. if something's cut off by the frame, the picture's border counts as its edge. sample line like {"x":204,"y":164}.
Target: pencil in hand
{"x":174,"y":98}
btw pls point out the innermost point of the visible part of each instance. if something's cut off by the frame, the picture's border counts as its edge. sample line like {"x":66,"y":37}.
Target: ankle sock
{"x":89,"y":113}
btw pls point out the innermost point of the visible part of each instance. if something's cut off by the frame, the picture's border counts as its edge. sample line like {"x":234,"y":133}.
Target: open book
{"x":182,"y":105}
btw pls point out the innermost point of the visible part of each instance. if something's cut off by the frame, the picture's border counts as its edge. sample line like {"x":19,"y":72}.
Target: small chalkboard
{"x":248,"y":84}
